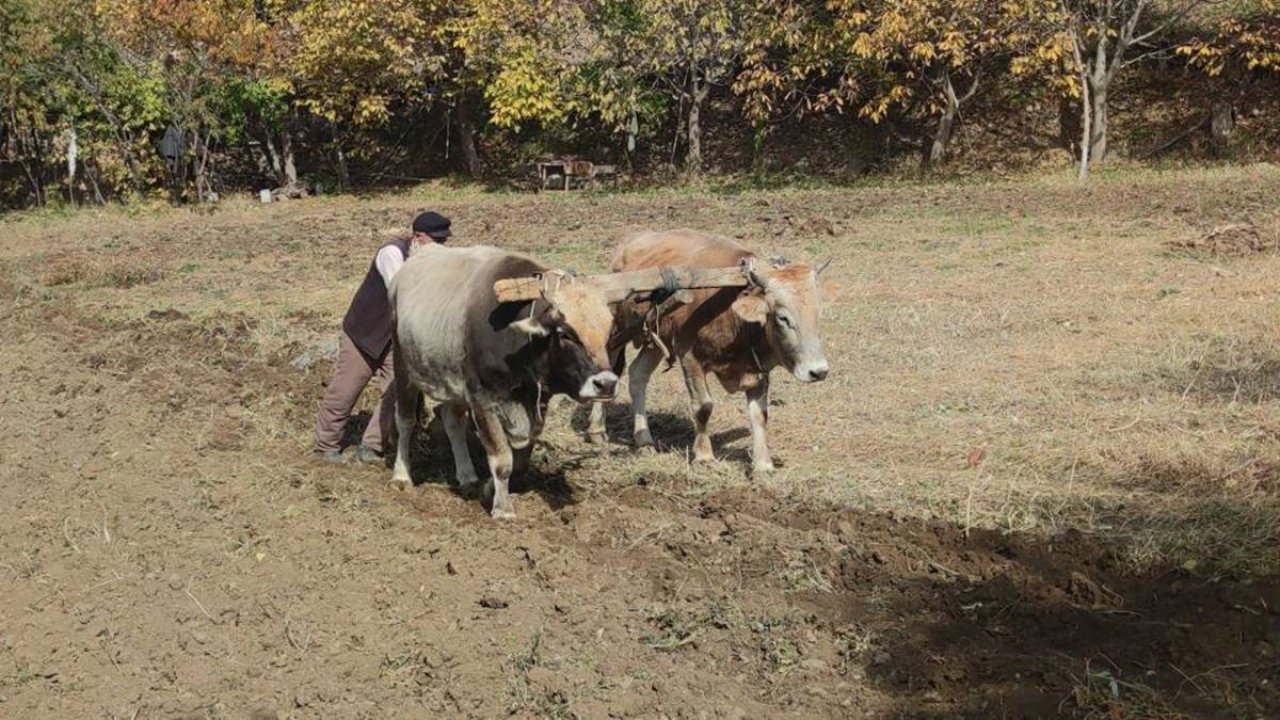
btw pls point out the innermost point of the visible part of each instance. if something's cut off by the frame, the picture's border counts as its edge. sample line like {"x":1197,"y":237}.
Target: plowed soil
{"x":168,"y":548}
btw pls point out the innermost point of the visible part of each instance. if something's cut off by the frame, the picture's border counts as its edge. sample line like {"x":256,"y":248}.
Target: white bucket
{"x":264,"y":196}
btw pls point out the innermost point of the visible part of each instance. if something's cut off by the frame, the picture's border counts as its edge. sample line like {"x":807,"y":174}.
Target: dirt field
{"x":1043,"y":479}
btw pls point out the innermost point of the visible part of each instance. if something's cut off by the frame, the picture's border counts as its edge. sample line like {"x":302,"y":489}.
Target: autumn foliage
{"x":196,"y":98}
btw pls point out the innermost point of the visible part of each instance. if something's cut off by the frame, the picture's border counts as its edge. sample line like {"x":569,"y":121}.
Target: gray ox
{"x":457,"y":345}
{"x":737,"y":334}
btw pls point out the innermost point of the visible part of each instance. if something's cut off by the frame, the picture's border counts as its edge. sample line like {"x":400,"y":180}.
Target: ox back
{"x":705,"y":326}
{"x":453,"y":336}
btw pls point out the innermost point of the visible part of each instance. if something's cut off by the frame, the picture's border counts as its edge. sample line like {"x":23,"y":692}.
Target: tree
{"x":1242,"y":42}
{"x":1240,"y":46}
{"x":529,"y":59}
{"x":938,"y":53}
{"x":1106,"y":37}
{"x":210,"y":58}
{"x":355,"y":64}
{"x":25,"y":59}
{"x":779,"y":62}
{"x":684,"y":47}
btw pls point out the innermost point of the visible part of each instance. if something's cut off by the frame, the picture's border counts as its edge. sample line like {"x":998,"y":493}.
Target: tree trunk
{"x":467,"y":136}
{"x":941,"y":137}
{"x":340,"y":157}
{"x":126,"y":152}
{"x":759,"y":135}
{"x":37,"y":154}
{"x":200,"y":168}
{"x":1222,"y":125}
{"x":344,"y":174}
{"x":92,"y":171}
{"x":1069,"y":124}
{"x":289,"y":165}
{"x":1086,"y":126}
{"x":937,"y":152}
{"x":24,"y":138}
{"x":273,"y":157}
{"x":693,"y":125}
{"x":1098,"y":130}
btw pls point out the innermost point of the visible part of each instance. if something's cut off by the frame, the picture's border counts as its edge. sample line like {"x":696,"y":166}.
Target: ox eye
{"x":786,"y":321}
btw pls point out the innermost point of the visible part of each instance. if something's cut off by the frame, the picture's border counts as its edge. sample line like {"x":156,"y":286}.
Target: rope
{"x":670,"y":284}
{"x":653,"y":318}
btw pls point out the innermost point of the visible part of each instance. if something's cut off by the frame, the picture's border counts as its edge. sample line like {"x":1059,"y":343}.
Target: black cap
{"x":433,"y":224}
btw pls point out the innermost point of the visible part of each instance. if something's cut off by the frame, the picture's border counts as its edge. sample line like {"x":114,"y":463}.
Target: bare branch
{"x":973,"y":87}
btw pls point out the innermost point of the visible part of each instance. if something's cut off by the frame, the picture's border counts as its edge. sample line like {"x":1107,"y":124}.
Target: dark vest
{"x":368,"y":320}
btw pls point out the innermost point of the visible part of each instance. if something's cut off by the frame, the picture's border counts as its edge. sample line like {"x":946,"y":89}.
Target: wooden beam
{"x":517,"y":289}
{"x":676,"y":299}
{"x":617,"y":286}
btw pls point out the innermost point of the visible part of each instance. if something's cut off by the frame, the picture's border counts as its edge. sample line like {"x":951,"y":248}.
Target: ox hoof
{"x":400,"y":483}
{"x":762,"y":469}
{"x":466,"y":482}
{"x":503,"y":513}
{"x":704,"y":457}
{"x":643,"y":440}
{"x":597,"y":438}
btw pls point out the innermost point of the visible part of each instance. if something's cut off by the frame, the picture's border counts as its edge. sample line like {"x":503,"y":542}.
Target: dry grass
{"x":1100,"y":695}
{"x":1110,"y":386}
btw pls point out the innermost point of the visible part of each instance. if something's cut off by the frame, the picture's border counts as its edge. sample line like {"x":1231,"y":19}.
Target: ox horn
{"x":551,"y":284}
{"x":748,"y":267}
{"x":822,"y":266}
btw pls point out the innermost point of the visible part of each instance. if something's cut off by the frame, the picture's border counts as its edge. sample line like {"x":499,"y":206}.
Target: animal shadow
{"x":431,"y":463}
{"x":672,"y":432}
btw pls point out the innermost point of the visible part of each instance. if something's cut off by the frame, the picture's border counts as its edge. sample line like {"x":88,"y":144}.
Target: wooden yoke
{"x":617,"y":286}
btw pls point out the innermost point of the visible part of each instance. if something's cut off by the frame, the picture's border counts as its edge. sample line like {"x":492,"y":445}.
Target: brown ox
{"x":738,"y":334}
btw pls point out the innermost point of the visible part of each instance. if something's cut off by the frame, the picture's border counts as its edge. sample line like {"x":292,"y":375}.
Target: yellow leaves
{"x":371,"y":110}
{"x":1248,"y":43}
{"x":902,"y":44}
{"x":354,"y":60}
{"x":522,"y":91}
{"x":923,"y":51}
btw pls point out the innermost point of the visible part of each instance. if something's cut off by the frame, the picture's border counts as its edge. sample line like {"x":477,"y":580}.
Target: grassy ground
{"x":1110,"y":384}
{"x":1022,"y":356}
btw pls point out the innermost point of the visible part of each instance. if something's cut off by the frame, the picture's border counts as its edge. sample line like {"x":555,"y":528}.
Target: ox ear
{"x":540,"y":326}
{"x":531,"y":326}
{"x":751,"y":308}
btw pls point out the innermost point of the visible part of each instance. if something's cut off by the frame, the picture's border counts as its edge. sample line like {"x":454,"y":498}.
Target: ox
{"x":738,"y":334}
{"x":501,"y":362}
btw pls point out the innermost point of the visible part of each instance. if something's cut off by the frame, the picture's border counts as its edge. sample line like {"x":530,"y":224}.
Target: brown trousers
{"x":352,"y":371}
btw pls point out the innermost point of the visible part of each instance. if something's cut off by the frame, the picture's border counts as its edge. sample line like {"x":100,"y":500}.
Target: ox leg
{"x":758,"y":418}
{"x":498,"y":450}
{"x":595,"y":426}
{"x":596,"y":434}
{"x":638,"y":381}
{"x":407,"y":400}
{"x":454,"y":418}
{"x":700,"y":407}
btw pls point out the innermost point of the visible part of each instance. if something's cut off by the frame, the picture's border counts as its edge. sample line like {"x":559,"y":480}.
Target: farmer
{"x":364,"y":349}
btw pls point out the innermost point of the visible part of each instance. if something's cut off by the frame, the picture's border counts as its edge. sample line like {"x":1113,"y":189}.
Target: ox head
{"x":573,"y":318}
{"x":784,"y":299}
